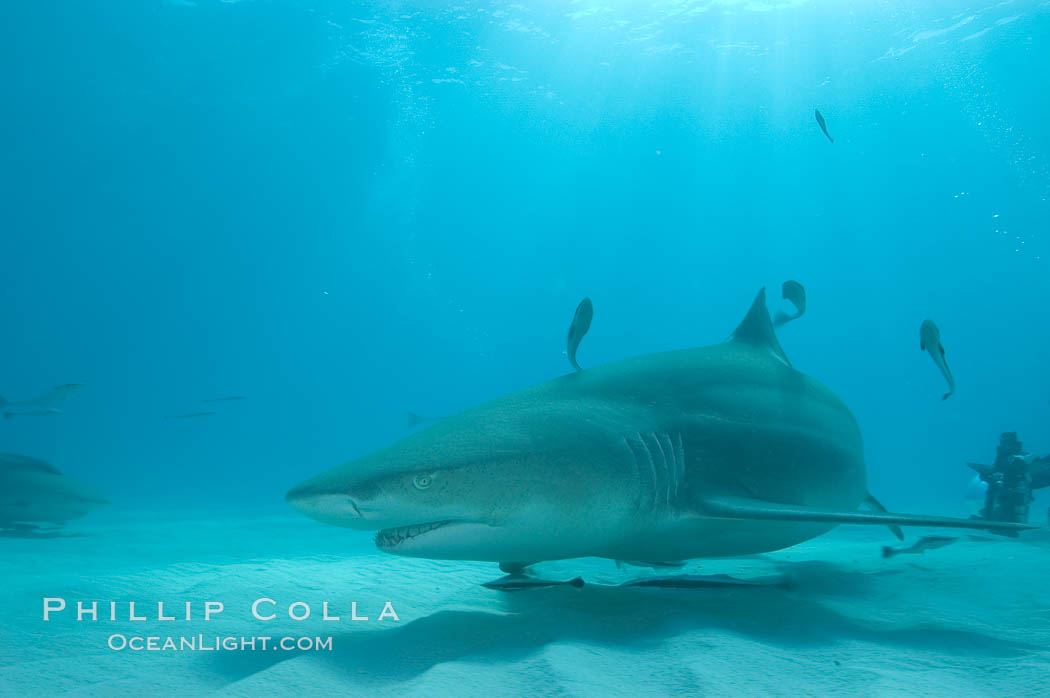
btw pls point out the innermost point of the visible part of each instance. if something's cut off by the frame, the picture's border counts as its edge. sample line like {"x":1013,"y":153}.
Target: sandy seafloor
{"x":969,"y":619}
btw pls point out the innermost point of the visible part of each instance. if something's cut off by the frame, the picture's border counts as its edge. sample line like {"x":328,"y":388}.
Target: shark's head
{"x":486,"y":485}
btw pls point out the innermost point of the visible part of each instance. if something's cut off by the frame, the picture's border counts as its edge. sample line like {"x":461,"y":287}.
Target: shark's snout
{"x":334,"y":508}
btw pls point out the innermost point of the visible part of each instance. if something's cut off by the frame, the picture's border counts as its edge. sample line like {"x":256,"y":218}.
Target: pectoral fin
{"x":757,"y":509}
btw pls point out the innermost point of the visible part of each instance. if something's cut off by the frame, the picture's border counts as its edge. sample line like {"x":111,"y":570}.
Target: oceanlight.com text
{"x":217,"y":643}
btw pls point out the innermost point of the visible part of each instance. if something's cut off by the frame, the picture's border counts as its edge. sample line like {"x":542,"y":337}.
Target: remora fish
{"x":792,"y":291}
{"x":581,"y":322}
{"x":723,"y":450}
{"x":32,"y":491}
{"x":822,"y":124}
{"x":518,"y":582}
{"x":920,"y":546}
{"x":930,"y":341}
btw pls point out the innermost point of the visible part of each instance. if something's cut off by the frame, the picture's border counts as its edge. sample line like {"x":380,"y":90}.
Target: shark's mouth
{"x":393,"y":537}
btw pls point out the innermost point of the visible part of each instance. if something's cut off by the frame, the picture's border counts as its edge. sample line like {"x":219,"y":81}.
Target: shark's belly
{"x":712,"y":537}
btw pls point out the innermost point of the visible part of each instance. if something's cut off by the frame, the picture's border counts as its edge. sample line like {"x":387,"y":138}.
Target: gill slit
{"x":671,"y":462}
{"x":662,"y":473}
{"x":662,"y":483}
{"x":680,"y":467}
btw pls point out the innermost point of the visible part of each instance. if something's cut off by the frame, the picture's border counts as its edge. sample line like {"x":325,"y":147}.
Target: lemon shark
{"x":715,"y":451}
{"x":33,"y":492}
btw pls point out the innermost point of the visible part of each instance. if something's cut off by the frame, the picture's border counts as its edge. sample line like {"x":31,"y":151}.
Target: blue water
{"x":345,"y":212}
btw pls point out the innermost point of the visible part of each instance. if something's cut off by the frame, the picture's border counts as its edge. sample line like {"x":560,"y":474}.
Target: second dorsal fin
{"x":756,"y":329}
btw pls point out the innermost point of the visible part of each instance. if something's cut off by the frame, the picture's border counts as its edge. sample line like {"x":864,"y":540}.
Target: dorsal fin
{"x":756,"y":329}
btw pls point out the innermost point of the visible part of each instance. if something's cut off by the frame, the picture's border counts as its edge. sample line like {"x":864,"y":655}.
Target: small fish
{"x":50,"y":412}
{"x":930,"y":341}
{"x":228,"y":398}
{"x":518,"y":582}
{"x":791,"y":291}
{"x":920,"y":546}
{"x":706,"y":581}
{"x":188,"y":415}
{"x":581,"y":322}
{"x":823,"y":125}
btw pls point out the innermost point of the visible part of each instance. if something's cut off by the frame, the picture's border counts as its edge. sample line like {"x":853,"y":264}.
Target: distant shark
{"x":49,"y":412}
{"x":46,"y":402}
{"x":33,"y":492}
{"x":723,"y":450}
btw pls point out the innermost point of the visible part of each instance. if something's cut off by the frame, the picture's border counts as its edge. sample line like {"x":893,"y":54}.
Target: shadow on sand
{"x":523,"y":623}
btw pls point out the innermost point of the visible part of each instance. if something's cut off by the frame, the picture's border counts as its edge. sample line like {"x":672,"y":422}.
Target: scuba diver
{"x":1010,"y":480}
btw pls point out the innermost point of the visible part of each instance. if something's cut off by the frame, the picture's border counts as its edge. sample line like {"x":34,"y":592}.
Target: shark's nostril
{"x":325,"y":503}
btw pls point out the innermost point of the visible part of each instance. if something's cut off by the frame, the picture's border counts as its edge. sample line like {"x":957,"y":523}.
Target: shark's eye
{"x":422,"y":482}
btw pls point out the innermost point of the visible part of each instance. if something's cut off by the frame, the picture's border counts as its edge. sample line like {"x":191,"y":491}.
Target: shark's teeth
{"x":390,"y":537}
